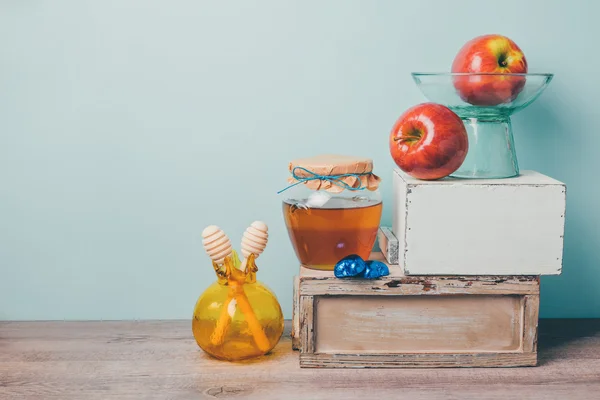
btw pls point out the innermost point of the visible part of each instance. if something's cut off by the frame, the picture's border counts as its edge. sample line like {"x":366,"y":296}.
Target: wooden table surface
{"x":160,"y":360}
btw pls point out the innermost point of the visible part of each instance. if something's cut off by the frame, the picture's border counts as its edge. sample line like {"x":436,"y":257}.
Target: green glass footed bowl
{"x":485,"y":102}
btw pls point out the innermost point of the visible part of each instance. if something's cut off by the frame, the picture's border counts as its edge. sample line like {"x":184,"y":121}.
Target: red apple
{"x":429,"y":141}
{"x":490,"y":54}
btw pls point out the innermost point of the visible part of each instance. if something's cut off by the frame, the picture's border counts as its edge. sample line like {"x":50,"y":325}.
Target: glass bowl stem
{"x":491,"y":152}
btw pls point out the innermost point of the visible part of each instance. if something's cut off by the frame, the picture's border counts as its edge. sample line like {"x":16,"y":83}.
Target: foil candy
{"x":354,"y":266}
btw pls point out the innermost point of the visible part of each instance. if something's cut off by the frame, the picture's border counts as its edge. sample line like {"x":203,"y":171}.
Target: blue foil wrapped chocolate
{"x":352,"y":265}
{"x":375,"y":269}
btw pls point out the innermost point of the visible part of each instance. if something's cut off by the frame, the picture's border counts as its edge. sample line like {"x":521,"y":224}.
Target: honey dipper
{"x":218,"y":247}
{"x":254,"y":240}
{"x":216,"y":243}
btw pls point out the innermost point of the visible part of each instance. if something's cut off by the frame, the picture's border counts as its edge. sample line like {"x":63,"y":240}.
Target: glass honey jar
{"x":331,"y":209}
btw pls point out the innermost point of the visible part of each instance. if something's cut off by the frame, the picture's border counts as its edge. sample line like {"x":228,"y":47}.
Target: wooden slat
{"x":417,"y":360}
{"x":418,"y":324}
{"x":417,"y":286}
{"x":531,"y":308}
{"x":160,"y":360}
{"x":295,"y":334}
{"x":307,"y":331}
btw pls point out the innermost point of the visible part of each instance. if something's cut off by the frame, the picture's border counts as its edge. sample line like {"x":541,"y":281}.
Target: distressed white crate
{"x":400,"y":321}
{"x":512,"y":226}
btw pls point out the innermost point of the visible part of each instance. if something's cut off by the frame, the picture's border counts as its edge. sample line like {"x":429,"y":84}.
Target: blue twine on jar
{"x":334,"y":179}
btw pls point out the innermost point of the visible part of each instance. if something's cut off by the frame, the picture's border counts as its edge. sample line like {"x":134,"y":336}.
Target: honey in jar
{"x":333,"y":210}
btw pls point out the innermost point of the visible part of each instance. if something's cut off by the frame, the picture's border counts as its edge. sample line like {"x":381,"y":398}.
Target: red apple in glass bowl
{"x":493,"y":68}
{"x":429,"y":141}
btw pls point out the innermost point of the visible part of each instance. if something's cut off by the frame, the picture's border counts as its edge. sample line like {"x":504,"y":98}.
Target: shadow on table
{"x":282,"y":348}
{"x":556,"y":336}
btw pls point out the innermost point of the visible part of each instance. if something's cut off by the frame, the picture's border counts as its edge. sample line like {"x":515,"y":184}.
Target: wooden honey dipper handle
{"x":216,"y":243}
{"x":260,"y":338}
{"x":255,"y":239}
{"x":218,"y":246}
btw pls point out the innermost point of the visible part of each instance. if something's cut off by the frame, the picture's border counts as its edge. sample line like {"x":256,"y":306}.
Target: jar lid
{"x":334,"y":173}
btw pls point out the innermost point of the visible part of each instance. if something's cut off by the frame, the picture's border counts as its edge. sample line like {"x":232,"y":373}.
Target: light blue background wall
{"x":128,"y":126}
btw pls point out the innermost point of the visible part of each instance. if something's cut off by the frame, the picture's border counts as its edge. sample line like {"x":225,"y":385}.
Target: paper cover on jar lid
{"x":355,"y":172}
{"x":333,"y":164}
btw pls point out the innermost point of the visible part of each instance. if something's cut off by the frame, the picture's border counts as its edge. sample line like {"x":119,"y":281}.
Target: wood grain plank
{"x":160,"y":360}
{"x":419,"y":286}
{"x":295,"y":334}
{"x":422,"y":360}
{"x":531,"y":309}
{"x":418,"y":324}
{"x":307,"y":330}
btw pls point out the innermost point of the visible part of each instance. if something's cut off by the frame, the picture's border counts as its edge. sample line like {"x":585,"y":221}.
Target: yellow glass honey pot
{"x":237,"y":317}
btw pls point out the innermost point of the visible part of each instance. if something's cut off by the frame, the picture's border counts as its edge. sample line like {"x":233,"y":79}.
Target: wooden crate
{"x":409,"y":321}
{"x":450,"y":226}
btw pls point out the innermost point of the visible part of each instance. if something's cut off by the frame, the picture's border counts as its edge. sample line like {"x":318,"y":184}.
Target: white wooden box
{"x":451,"y":226}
